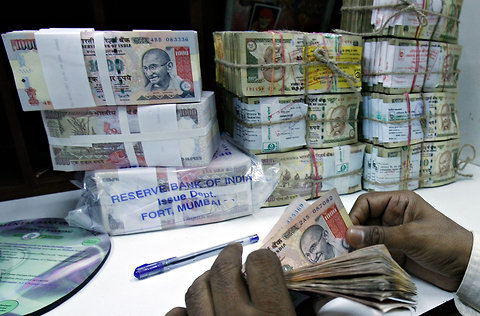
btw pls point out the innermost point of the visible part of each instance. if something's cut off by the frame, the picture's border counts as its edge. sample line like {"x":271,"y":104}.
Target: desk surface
{"x":115,"y":291}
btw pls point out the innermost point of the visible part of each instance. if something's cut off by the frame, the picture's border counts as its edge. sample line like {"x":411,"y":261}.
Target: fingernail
{"x":356,"y":236}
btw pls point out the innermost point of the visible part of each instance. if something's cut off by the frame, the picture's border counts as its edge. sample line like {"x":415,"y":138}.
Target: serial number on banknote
{"x":168,"y":39}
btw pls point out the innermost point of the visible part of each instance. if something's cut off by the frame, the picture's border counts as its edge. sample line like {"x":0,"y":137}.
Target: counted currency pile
{"x":439,"y":162}
{"x":285,"y":123}
{"x":394,"y":66}
{"x":399,"y":120}
{"x":309,"y":240}
{"x":246,"y":62}
{"x":437,"y":20}
{"x":74,"y":68}
{"x":309,"y":173}
{"x":410,"y":72}
{"x":132,"y":200}
{"x":389,"y":169}
{"x":184,"y":134}
{"x":285,"y":91}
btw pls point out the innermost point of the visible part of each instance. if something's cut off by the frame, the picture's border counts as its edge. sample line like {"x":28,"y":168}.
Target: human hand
{"x":223,"y":291}
{"x":421,"y":239}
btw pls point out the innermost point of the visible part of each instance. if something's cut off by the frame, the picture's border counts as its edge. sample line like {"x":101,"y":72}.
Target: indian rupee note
{"x":332,"y":119}
{"x":314,"y":235}
{"x":439,"y":162}
{"x":308,"y":173}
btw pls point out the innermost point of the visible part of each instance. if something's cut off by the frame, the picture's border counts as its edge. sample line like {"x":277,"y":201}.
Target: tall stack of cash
{"x":283,"y":92}
{"x":116,"y":99}
{"x":410,"y":73}
{"x":75,"y":68}
{"x":128,"y":108}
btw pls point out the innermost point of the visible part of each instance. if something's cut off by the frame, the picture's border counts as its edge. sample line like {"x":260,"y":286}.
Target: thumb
{"x":363,"y":236}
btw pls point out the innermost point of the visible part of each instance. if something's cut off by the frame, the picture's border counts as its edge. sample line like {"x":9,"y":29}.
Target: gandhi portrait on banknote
{"x":318,"y":244}
{"x":272,"y":74}
{"x":446,"y":118}
{"x":158,"y":68}
{"x":445,"y":162}
{"x":337,"y":124}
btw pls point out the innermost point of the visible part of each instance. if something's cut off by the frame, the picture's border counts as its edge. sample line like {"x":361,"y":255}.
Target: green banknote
{"x":246,"y":62}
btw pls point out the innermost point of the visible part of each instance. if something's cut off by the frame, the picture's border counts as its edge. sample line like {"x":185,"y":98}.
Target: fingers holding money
{"x":267,"y":288}
{"x":223,"y":290}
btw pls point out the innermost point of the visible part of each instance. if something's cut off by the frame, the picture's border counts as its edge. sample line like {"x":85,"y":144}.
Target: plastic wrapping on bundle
{"x":133,"y":200}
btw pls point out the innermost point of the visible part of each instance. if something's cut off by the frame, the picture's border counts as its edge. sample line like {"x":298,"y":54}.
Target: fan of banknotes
{"x":309,"y":240}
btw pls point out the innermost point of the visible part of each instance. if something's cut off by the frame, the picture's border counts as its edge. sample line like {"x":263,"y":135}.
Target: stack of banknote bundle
{"x":132,"y":200}
{"x":116,"y":99}
{"x":287,"y":62}
{"x":393,"y":65}
{"x":285,"y":91}
{"x":437,"y":20}
{"x":265,"y":124}
{"x":309,"y":240}
{"x":387,"y":169}
{"x":309,"y":173}
{"x":284,"y":123}
{"x":398,"y":120}
{"x":183,"y":134}
{"x":410,"y":72}
{"x":75,"y":68}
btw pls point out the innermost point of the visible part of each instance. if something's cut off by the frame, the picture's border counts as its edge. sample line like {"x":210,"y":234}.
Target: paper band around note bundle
{"x":400,"y":120}
{"x":77,"y":68}
{"x":184,"y":134}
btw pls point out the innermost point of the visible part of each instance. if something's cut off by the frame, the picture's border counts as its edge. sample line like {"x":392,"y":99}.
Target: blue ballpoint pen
{"x":149,"y":269}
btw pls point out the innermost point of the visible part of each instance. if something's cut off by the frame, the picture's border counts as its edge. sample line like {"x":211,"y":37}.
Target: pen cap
{"x":149,"y":269}
{"x":253,"y":239}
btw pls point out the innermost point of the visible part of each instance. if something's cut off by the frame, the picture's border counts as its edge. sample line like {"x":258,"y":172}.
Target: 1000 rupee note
{"x":192,"y":152}
{"x":114,"y":67}
{"x":316,"y":234}
{"x":153,"y":66}
{"x":369,"y":276}
{"x":27,"y":71}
